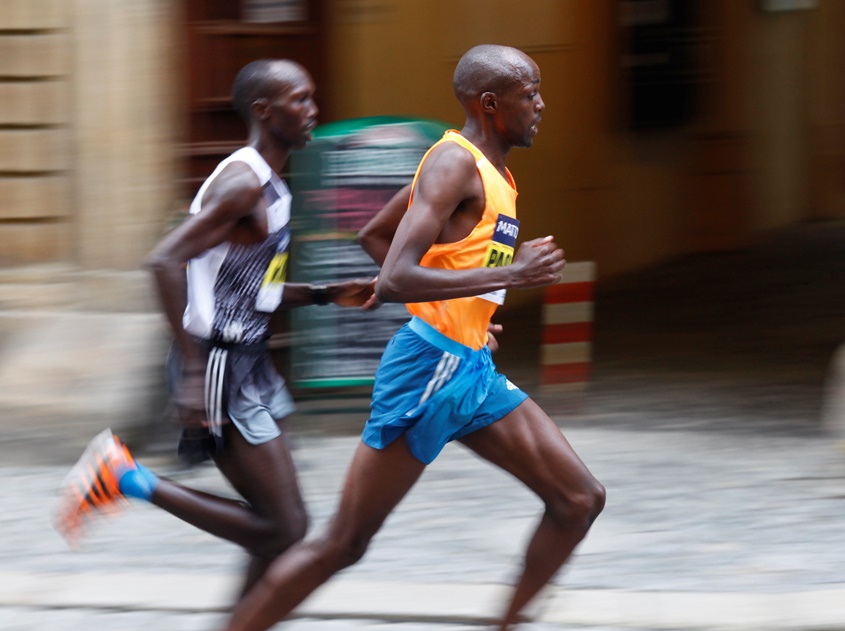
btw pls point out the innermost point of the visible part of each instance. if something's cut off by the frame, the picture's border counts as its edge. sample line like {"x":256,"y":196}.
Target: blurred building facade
{"x":671,"y":126}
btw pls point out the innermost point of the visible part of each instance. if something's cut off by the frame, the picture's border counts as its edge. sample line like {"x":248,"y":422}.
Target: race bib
{"x":500,"y":251}
{"x":270,"y":293}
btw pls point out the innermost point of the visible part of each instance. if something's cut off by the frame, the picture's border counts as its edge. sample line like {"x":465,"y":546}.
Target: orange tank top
{"x":491,"y":243}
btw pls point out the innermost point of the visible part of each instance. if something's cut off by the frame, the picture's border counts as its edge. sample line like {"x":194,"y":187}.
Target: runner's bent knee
{"x":577,"y":508}
{"x":277,"y":535}
{"x":346,"y":546}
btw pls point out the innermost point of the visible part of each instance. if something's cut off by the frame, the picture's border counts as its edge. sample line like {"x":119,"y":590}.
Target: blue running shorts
{"x":434,"y":390}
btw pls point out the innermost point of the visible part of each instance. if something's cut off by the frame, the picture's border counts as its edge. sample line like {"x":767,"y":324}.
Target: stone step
{"x":37,"y":274}
{"x":64,"y":376}
{"x":64,"y":287}
{"x":24,"y":296}
{"x":44,"y":286}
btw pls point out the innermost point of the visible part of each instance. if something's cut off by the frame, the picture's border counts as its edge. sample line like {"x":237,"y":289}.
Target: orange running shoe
{"x":93,"y":485}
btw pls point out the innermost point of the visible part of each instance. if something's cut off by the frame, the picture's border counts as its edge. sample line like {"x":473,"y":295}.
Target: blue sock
{"x":138,"y":483}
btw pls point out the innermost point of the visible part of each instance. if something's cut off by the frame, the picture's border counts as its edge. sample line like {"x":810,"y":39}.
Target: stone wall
{"x":36,"y":128}
{"x":88,"y":130}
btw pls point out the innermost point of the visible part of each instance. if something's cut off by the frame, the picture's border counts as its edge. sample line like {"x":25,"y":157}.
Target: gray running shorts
{"x":241,"y":386}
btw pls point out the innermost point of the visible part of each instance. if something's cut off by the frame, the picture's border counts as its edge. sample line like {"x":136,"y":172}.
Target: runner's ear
{"x":260,"y":108}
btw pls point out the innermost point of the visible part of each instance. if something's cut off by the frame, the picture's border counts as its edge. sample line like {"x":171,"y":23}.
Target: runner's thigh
{"x":527,"y":444}
{"x":263,"y":474}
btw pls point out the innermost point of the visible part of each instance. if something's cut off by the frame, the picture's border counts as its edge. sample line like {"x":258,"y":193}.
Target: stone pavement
{"x":700,"y":532}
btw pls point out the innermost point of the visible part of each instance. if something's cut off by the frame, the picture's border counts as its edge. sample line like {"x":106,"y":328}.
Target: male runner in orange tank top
{"x":448,"y":260}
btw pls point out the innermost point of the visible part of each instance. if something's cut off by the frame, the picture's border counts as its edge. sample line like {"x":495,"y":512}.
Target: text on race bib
{"x":270,"y":292}
{"x":500,"y":251}
{"x":277,"y":271}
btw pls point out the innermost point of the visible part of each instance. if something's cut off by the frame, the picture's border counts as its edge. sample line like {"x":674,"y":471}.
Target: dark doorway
{"x":221,"y":36}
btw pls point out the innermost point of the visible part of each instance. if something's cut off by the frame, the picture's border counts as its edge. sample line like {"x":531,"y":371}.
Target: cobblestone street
{"x":687,"y":513}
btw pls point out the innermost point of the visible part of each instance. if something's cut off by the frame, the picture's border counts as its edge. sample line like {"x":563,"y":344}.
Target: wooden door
{"x":221,"y":37}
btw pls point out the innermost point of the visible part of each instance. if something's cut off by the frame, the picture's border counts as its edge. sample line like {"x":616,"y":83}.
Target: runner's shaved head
{"x":488,"y":68}
{"x":263,"y":79}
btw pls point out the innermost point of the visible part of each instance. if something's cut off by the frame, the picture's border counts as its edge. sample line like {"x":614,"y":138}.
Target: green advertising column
{"x":345,"y":175}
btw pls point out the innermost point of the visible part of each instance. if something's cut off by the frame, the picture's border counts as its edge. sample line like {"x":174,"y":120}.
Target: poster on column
{"x":345,"y":175}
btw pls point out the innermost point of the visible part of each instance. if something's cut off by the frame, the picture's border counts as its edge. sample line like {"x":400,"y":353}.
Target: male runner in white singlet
{"x":230,"y":398}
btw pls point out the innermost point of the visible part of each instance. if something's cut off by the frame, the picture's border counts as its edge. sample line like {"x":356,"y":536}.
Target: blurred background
{"x":692,"y":153}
